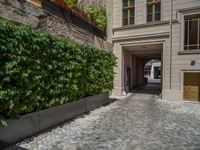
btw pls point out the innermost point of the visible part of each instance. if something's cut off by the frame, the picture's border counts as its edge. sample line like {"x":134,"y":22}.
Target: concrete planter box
{"x":36,"y":122}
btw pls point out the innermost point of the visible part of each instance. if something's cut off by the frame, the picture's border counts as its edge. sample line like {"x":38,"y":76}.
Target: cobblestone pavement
{"x":138,"y":122}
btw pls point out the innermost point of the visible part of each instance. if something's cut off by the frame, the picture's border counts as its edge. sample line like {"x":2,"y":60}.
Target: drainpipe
{"x":171,"y":17}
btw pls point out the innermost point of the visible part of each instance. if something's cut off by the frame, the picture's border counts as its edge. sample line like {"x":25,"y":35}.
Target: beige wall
{"x":118,"y":88}
{"x":140,"y":12}
{"x":181,"y":63}
{"x":128,"y":63}
{"x":109,"y":13}
{"x":183,"y":4}
{"x":142,"y":33}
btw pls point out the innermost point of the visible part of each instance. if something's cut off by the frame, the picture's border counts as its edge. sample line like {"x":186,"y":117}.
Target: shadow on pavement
{"x":7,"y":146}
{"x":14,"y":148}
{"x":112,"y":100}
{"x":10,"y":146}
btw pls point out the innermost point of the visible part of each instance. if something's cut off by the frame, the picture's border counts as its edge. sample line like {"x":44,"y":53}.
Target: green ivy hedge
{"x":39,"y":70}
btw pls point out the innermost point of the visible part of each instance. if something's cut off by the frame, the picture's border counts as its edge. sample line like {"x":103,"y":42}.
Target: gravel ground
{"x":140,"y":121}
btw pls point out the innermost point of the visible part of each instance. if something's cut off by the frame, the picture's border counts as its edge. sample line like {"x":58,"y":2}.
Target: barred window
{"x":128,"y":11}
{"x":153,"y":10}
{"x":192,"y":33}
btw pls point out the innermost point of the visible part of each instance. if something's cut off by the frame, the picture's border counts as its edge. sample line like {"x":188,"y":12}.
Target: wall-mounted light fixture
{"x":193,"y":62}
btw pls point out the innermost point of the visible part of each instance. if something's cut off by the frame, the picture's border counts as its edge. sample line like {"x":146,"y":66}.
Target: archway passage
{"x":143,"y":68}
{"x":152,"y":74}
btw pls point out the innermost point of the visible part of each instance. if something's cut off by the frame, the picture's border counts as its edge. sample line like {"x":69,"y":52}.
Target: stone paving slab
{"x":138,"y":122}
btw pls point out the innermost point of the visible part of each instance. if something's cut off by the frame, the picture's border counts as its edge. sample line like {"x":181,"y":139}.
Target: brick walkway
{"x":137,"y":122}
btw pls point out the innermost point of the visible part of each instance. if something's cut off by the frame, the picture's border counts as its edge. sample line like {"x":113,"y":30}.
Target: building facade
{"x":166,"y":30}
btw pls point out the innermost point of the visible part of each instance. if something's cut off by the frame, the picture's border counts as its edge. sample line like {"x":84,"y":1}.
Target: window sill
{"x":189,"y":52}
{"x":145,"y":25}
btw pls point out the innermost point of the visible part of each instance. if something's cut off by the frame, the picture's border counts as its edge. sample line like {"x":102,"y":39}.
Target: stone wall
{"x":25,"y":13}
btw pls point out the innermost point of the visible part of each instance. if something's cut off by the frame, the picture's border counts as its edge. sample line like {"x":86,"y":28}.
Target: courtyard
{"x":62,"y":59}
{"x":140,"y":121}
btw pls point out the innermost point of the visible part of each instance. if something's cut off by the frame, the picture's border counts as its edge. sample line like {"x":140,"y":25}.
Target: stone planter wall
{"x":26,"y":13}
{"x":34,"y":123}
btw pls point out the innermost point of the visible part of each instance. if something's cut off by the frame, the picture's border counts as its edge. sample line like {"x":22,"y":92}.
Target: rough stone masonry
{"x":26,"y":13}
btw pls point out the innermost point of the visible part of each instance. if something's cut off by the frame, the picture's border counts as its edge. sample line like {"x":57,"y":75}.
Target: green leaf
{"x":39,"y":70}
{"x":3,"y":122}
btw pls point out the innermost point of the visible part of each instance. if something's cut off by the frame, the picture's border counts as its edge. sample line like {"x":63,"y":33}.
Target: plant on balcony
{"x":71,"y":3}
{"x":80,"y":11}
{"x":95,"y":14}
{"x":98,"y":16}
{"x":76,"y":8}
{"x":61,"y":4}
{"x":81,"y":8}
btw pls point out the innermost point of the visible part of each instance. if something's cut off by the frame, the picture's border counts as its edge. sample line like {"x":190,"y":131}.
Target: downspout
{"x":171,"y":17}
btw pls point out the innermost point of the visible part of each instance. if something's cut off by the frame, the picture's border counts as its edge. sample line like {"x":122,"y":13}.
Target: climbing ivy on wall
{"x":38,"y":70}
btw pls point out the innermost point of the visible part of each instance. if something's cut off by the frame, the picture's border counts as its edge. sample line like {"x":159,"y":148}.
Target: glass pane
{"x":132,"y":12}
{"x":149,"y":17}
{"x":132,"y":20}
{"x":185,"y":48}
{"x":193,"y":32}
{"x":157,"y":7}
{"x":192,"y":47}
{"x":125,"y":3}
{"x":157,"y":17}
{"x":186,"y":33}
{"x":132,"y":2}
{"x":125,"y":13}
{"x":125,"y":21}
{"x":149,"y":9}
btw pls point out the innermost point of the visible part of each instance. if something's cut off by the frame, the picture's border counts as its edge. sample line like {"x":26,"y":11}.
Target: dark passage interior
{"x":143,"y":68}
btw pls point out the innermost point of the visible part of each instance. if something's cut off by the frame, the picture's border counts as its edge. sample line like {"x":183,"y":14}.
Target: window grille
{"x":192,"y":33}
{"x":153,"y":10}
{"x":128,"y":12}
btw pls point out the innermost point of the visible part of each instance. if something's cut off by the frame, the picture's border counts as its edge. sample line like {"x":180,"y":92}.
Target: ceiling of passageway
{"x":145,"y":51}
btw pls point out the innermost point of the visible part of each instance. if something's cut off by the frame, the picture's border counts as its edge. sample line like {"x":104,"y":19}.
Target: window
{"x":192,"y":33}
{"x":153,"y":10}
{"x":128,"y":11}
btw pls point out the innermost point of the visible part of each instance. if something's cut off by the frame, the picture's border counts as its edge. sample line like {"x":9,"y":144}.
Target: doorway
{"x":192,"y":86}
{"x":152,"y":74}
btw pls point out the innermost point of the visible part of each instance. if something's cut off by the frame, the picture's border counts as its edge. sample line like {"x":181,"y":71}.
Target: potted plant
{"x":98,"y":17}
{"x":81,"y":13}
{"x":61,"y":3}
